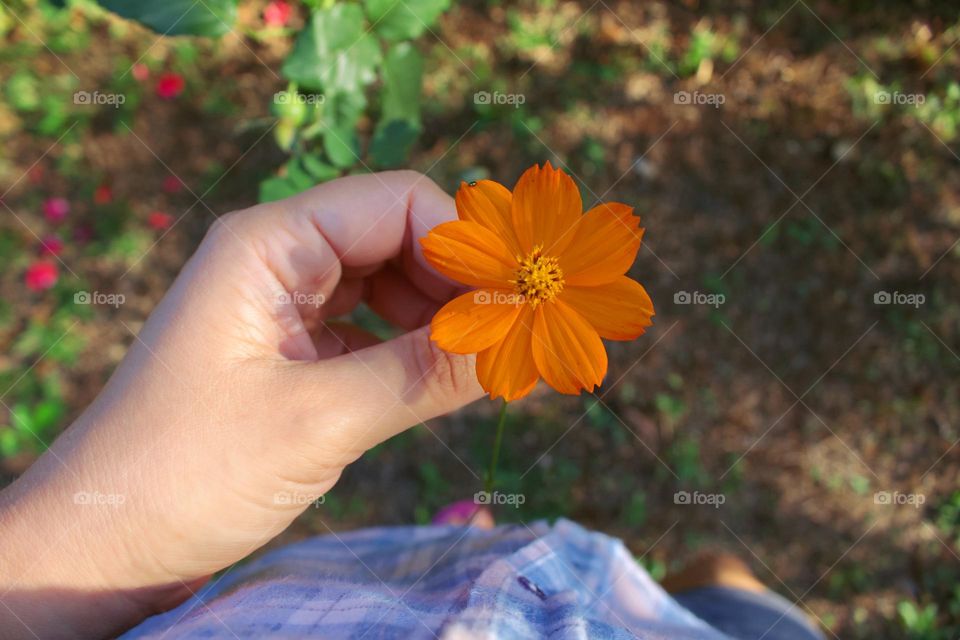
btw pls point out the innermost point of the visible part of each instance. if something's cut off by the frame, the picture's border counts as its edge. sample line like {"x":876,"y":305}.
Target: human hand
{"x":236,"y":391}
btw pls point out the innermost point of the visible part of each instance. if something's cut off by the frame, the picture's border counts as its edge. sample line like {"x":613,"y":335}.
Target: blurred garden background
{"x":795,"y":164}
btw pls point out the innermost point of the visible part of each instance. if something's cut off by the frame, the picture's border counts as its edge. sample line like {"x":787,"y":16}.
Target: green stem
{"x":492,"y":471}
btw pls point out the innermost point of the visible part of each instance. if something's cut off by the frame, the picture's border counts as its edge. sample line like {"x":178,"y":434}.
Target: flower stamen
{"x":539,"y":277}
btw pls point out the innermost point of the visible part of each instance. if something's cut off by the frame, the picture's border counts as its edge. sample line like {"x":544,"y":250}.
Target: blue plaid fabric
{"x":517,"y":581}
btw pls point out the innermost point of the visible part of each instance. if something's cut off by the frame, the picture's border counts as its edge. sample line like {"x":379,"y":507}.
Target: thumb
{"x":392,"y":386}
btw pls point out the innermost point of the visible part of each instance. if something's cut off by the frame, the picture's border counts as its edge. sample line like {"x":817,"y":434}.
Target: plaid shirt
{"x":558,"y":581}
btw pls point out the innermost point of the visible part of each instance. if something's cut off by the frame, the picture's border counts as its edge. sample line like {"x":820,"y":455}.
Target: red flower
{"x":51,"y":245}
{"x":277,"y":13}
{"x":160,"y":220}
{"x":169,"y":85}
{"x":103,"y":194}
{"x":172,"y":184}
{"x":41,"y":275}
{"x":56,"y":209}
{"x":141,"y":72}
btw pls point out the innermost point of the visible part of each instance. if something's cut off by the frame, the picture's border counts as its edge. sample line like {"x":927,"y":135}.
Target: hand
{"x":236,"y":406}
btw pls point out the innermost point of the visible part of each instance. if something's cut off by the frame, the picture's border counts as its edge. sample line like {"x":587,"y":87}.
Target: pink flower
{"x":41,"y":275}
{"x":159,"y":220}
{"x":277,"y":13}
{"x":172,"y":184}
{"x":51,"y":245}
{"x":141,"y":72}
{"x":56,"y":209}
{"x":169,"y":85}
{"x":464,"y":512}
{"x":103,"y":194}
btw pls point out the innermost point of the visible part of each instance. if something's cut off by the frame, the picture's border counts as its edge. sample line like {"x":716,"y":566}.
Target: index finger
{"x":364,"y":220}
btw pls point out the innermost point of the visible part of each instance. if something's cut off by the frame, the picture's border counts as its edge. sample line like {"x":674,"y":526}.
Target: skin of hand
{"x":237,"y":405}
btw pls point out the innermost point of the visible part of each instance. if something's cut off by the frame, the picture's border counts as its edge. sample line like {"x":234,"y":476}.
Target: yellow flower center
{"x":539,"y":277}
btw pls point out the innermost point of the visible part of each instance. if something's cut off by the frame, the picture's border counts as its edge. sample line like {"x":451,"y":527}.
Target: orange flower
{"x":549,"y":283}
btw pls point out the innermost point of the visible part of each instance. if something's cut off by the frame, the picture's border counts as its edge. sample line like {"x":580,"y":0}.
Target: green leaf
{"x":47,"y":414}
{"x":10,"y":444}
{"x":317,"y":168}
{"x":908,"y":613}
{"x":178,"y":17}
{"x":299,"y":177}
{"x":341,"y":146}
{"x":404,"y":19}
{"x":276,"y":188}
{"x":23,"y":91}
{"x":299,"y":174}
{"x":399,"y":124}
{"x":392,"y":141}
{"x":402,"y":76}
{"x":21,"y":418}
{"x":54,"y":116}
{"x":334,"y":53}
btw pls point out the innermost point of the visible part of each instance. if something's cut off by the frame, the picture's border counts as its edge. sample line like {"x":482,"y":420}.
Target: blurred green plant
{"x":935,"y":613}
{"x":937,"y":107}
{"x":920,"y":623}
{"x":178,"y":17}
{"x":343,"y":49}
{"x":35,"y":398}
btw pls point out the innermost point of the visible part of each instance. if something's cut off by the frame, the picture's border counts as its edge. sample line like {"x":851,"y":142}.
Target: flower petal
{"x":546,"y":207}
{"x":488,"y":203}
{"x":474,"y":321}
{"x":567,"y":350}
{"x":619,"y":310}
{"x":469,"y":253}
{"x":604,"y":246}
{"x":507,"y":368}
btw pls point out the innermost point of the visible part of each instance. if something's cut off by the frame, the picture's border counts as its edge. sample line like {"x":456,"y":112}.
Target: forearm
{"x":65,"y":559}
